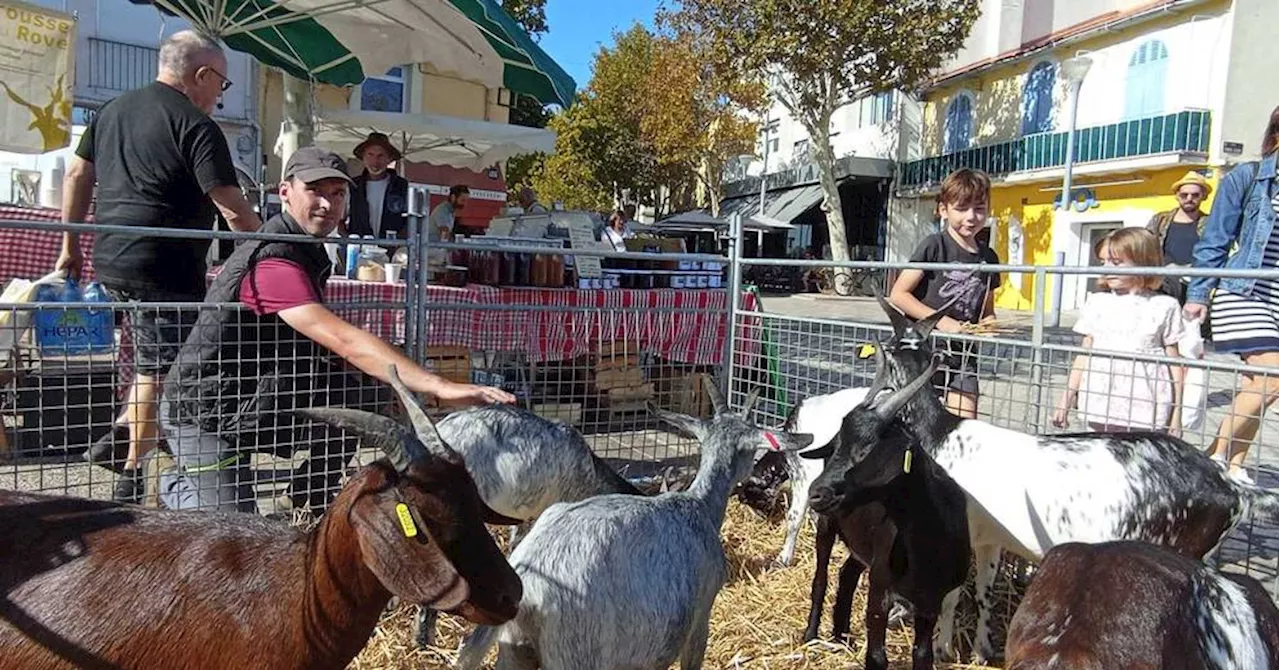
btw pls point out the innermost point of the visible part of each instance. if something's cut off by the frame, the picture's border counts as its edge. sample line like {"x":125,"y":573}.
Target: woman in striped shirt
{"x":1246,"y":312}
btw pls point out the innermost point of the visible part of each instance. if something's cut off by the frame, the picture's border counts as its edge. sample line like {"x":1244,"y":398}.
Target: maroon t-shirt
{"x":280,"y":284}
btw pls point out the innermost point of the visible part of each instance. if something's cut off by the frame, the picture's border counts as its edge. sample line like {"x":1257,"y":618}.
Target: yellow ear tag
{"x":906,"y":462}
{"x":406,"y":520}
{"x":866,"y":350}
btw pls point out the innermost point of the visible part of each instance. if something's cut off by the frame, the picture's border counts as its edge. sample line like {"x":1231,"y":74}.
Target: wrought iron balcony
{"x":1185,"y":131}
{"x":116,"y":66}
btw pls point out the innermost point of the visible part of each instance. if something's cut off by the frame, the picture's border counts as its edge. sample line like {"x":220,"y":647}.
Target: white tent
{"x":440,"y":140}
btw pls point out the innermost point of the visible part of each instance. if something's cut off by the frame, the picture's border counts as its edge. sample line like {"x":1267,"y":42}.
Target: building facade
{"x":1174,"y":85}
{"x":866,"y":137}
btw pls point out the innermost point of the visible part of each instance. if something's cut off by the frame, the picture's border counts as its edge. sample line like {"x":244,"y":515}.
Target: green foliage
{"x":530,"y":14}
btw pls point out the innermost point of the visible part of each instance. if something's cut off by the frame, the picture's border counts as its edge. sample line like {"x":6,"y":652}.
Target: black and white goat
{"x":900,"y":515}
{"x":819,"y":416}
{"x":522,"y":463}
{"x":620,"y":581}
{"x":1029,"y":493}
{"x":1137,"y":605}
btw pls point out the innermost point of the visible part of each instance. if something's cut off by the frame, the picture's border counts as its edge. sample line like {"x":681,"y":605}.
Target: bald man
{"x":159,"y":161}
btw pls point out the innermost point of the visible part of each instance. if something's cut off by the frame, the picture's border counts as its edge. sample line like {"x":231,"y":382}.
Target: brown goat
{"x":1137,"y":605}
{"x":93,"y":584}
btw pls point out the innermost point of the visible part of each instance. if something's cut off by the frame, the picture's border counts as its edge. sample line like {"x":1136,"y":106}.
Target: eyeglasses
{"x":1193,"y":195}
{"x":226,"y":83}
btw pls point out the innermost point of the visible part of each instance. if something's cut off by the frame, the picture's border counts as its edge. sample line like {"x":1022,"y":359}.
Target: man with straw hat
{"x":379,"y":196}
{"x":1179,"y":228}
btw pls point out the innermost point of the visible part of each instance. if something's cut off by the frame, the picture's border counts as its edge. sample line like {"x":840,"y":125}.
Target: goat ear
{"x":820,"y":453}
{"x":684,"y":422}
{"x":414,"y":569}
{"x":787,"y":441}
{"x":898,"y":319}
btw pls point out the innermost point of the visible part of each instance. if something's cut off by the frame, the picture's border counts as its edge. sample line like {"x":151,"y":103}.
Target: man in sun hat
{"x":1179,"y":228}
{"x":379,"y":196}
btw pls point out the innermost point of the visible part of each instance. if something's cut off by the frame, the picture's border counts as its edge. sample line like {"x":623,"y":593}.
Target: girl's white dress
{"x":1116,"y":390}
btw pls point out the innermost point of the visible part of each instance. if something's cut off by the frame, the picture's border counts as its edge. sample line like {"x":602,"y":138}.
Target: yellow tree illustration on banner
{"x":37,"y":70}
{"x":53,"y":121}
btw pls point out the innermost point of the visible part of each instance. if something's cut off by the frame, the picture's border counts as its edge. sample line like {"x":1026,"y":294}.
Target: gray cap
{"x":311,"y":164}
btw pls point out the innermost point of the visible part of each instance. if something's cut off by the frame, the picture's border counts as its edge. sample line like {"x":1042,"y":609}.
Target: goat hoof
{"x":943,"y":652}
{"x":810,"y":635}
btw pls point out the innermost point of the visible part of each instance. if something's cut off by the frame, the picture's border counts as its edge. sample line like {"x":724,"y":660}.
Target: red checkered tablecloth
{"x":30,"y":254}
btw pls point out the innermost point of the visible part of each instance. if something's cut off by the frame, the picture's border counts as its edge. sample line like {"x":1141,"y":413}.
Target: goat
{"x":900,"y":515}
{"x":521,"y":464}
{"x":97,"y":584}
{"x":819,"y":416}
{"x":620,"y":581}
{"x":1029,"y":493}
{"x":1137,"y":605}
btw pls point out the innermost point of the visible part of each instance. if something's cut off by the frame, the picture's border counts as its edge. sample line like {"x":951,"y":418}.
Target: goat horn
{"x":376,"y":430}
{"x":925,"y":326}
{"x":427,"y":435}
{"x":897,"y":399}
{"x":881,"y":380}
{"x":898,"y":319}
{"x":713,"y":392}
{"x":750,"y":402}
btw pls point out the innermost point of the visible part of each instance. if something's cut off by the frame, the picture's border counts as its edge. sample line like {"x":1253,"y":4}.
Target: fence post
{"x":1037,"y":345}
{"x":1055,"y":296}
{"x":733,"y":281}
{"x":415,"y":267}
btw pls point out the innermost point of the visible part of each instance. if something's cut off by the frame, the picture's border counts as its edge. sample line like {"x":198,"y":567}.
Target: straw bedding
{"x":758,"y":619}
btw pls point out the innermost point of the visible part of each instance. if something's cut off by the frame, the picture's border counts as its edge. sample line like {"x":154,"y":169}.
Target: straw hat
{"x":381,"y":140}
{"x":1193,"y":177}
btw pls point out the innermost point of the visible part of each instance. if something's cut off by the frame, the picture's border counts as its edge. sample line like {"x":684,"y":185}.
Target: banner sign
{"x":37,"y":75}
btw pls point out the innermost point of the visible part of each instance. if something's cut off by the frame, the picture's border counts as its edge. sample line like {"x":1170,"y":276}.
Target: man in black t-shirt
{"x":160,"y":161}
{"x":1179,"y":228}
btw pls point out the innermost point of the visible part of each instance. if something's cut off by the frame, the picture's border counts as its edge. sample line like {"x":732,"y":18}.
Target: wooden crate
{"x":620,"y":377}
{"x":688,"y":397}
{"x":452,"y":363}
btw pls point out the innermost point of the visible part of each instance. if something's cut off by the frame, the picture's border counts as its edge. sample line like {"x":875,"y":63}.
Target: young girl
{"x":1127,"y":317}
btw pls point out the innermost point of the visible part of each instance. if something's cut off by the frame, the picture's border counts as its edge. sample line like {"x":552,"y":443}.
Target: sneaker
{"x":1241,"y":476}
{"x":110,"y":450}
{"x":129,"y":487}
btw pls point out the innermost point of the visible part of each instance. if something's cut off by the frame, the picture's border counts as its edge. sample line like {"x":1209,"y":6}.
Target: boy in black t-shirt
{"x":962,"y":205}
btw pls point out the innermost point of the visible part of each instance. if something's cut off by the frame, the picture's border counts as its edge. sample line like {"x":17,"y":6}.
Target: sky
{"x":578,"y":28}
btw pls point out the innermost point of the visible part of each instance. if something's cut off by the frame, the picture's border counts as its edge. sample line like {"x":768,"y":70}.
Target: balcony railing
{"x":1186,"y":131}
{"x":116,"y":66}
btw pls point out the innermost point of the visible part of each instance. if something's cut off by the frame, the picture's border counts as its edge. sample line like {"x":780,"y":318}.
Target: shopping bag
{"x":1195,"y":391}
{"x":15,"y":322}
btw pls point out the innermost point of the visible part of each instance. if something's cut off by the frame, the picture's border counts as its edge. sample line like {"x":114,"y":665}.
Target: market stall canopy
{"x":339,"y":42}
{"x":780,"y":206}
{"x":701,"y":219}
{"x":440,"y":140}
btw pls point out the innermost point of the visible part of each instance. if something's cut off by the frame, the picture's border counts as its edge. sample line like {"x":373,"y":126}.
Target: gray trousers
{"x":211,"y":475}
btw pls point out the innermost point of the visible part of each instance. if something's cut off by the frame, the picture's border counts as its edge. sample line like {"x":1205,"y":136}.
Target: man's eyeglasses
{"x":226,"y":83}
{"x":1194,"y":195}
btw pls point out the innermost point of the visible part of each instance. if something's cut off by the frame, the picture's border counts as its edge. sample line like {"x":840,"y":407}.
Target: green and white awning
{"x":339,"y":42}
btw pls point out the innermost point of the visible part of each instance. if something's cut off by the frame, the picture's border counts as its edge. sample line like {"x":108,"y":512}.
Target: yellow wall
{"x":1034,"y":208}
{"x":438,"y":94}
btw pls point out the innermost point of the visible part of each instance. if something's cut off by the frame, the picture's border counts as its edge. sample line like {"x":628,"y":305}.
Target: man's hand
{"x":1195,"y":311}
{"x":949,"y":325}
{"x":479,"y":395}
{"x":71,"y":261}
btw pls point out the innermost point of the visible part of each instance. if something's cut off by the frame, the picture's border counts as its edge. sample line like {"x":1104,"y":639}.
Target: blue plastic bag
{"x":73,"y":331}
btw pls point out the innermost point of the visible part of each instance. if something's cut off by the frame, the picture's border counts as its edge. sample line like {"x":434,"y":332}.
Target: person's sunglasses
{"x":1194,"y":195}
{"x":226,"y":83}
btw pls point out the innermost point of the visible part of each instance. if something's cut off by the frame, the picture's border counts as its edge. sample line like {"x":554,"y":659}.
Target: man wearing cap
{"x":1179,"y":228}
{"x":379,"y":196}
{"x":241,"y":372}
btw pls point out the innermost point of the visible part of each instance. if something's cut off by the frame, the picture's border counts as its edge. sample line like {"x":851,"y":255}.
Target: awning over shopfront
{"x":439,"y":140}
{"x":785,"y":205}
{"x":701,"y":220}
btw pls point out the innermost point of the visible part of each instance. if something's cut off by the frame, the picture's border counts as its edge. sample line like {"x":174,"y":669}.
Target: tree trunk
{"x":826,"y":159}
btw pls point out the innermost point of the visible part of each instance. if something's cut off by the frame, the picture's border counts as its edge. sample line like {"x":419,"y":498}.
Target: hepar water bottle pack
{"x":76,"y":330}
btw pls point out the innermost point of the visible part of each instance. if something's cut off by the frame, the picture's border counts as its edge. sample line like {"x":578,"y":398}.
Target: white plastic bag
{"x":1195,"y":392}
{"x":14,"y":323}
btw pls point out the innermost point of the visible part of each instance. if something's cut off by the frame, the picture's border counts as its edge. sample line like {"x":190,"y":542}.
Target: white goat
{"x":1030,"y":493}
{"x":820,"y":416}
{"x":615,"y":581}
{"x":522,"y":463}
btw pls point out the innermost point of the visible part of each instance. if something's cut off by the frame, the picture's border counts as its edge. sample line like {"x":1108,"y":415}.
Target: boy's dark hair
{"x":459,"y":189}
{"x":964,"y":188}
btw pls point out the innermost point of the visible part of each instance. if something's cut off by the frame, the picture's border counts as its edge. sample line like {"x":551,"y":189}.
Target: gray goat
{"x":522,"y":463}
{"x":628,"y":581}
